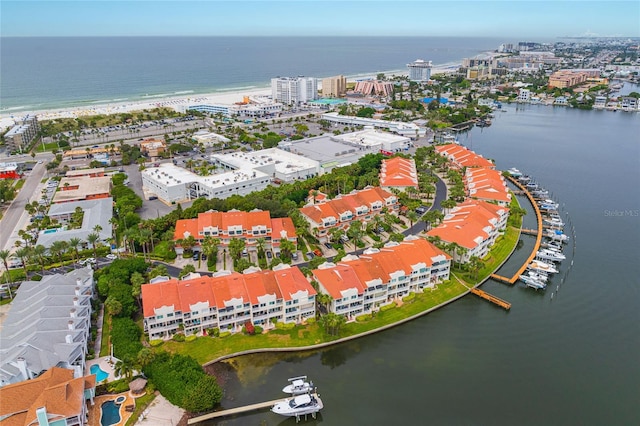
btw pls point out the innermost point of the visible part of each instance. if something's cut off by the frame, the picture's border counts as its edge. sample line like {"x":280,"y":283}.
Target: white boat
{"x":533,"y":283}
{"x":552,"y":205}
{"x":556,"y":235}
{"x":540,"y":276}
{"x":550,"y":245}
{"x":546,"y":254}
{"x":540,"y":193}
{"x":540,"y":266}
{"x":301,"y":405}
{"x":515,"y":172}
{"x":298,"y":385}
{"x":524,"y":179}
{"x":553,"y":221}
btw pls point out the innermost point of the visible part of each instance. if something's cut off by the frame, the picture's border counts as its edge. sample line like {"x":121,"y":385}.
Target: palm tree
{"x":413,"y":217}
{"x":93,"y":239}
{"x":124,"y":368}
{"x":145,"y":357}
{"x":74,"y":243}
{"x":448,"y":204}
{"x":38,"y":252}
{"x":260,"y":244}
{"x":475,"y":264}
{"x":236,"y":246}
{"x":4,"y":255}
{"x":286,"y":249}
{"x":58,"y":248}
{"x":24,"y":254}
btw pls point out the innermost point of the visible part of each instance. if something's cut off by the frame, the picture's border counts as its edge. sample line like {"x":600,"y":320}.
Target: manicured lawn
{"x":19,"y":184}
{"x":205,"y":349}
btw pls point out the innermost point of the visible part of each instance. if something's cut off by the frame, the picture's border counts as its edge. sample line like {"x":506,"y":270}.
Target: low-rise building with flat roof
{"x":82,"y":188}
{"x":95,"y":172}
{"x":96,"y":213}
{"x":173,"y":184}
{"x":409,"y":130}
{"x":277,"y":163}
{"x":153,"y":147}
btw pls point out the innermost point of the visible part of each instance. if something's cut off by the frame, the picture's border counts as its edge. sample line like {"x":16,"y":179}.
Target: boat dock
{"x":529,"y":231}
{"x":237,"y":410}
{"x":491,"y":298}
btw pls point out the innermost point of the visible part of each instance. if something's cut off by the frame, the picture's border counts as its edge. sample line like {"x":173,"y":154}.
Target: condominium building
{"x":277,"y":163}
{"x":524,"y":95}
{"x":461,"y":157}
{"x":364,"y":284}
{"x":474,"y":225}
{"x":486,"y":184}
{"x":374,"y":87}
{"x":227,"y":301}
{"x":225,"y":226}
{"x":48,"y":325}
{"x":398,"y":173}
{"x":342,"y":210}
{"x":567,"y":78}
{"x":53,"y":398}
{"x":334,"y":87}
{"x":410,"y":130}
{"x":294,"y":90}
{"x":420,"y":70}
{"x":20,"y":135}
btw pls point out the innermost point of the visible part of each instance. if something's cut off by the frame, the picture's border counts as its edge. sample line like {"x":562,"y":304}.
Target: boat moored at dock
{"x":301,"y":405}
{"x":540,"y":266}
{"x":532,"y":282}
{"x":298,"y":386}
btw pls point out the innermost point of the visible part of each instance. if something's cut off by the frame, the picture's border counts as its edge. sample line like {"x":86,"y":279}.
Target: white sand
{"x":224,"y":98}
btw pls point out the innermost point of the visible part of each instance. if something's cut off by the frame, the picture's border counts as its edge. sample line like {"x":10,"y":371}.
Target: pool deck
{"x":105,"y":365}
{"x":95,"y":411}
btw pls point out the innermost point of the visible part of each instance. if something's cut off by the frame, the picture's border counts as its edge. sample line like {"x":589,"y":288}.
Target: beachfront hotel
{"x":420,"y":70}
{"x":48,"y":325}
{"x":235,"y":224}
{"x":339,"y":212}
{"x":374,"y":87}
{"x":334,"y":87}
{"x":362,"y":285}
{"x":227,"y":301}
{"x":398,"y":173}
{"x":294,"y":90}
{"x":250,"y":107}
{"x":473,"y":225}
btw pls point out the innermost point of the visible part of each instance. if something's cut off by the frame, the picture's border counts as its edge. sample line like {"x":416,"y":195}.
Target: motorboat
{"x":298,"y":386}
{"x":553,"y":221}
{"x":553,"y":246}
{"x":301,"y":405}
{"x":524,"y":179}
{"x":555,"y":256}
{"x":556,"y":235}
{"x":532,"y":282}
{"x":531,"y":185}
{"x":547,"y":202}
{"x":540,"y":276}
{"x":515,"y":172}
{"x":539,"y":193}
{"x":548,"y":207}
{"x":540,"y":266}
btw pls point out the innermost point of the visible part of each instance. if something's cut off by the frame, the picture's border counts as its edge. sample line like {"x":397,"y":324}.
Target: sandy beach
{"x":224,"y":98}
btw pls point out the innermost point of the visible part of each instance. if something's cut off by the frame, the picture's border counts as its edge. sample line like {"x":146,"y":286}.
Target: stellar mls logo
{"x":622,"y":213}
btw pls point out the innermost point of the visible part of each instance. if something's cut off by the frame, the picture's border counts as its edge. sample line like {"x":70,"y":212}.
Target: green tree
{"x":236,"y":247}
{"x":475,"y":264}
{"x":286,"y":250}
{"x":93,"y":239}
{"x":4,"y":255}
{"x":58,"y":248}
{"x":137,"y":279}
{"x":74,"y":243}
{"x":124,"y":368}
{"x":24,"y":254}
{"x":187,"y":270}
{"x":38,"y":252}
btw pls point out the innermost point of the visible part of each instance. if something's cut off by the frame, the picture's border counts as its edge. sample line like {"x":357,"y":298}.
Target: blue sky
{"x":543,"y":19}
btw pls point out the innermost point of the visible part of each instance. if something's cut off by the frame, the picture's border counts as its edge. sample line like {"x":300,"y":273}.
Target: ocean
{"x":41,"y":73}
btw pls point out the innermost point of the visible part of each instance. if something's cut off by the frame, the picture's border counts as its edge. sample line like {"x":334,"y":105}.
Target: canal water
{"x":562,"y":360}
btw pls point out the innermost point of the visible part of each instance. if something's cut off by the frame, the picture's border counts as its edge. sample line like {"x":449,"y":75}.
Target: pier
{"x":491,"y":298}
{"x":537,"y":233}
{"x":237,"y":410}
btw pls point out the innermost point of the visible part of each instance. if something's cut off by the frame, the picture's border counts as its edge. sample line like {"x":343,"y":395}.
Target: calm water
{"x":40,"y":73}
{"x":568,"y":360}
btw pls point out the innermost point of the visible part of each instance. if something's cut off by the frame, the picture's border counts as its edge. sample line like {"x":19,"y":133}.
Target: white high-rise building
{"x":419,"y":70}
{"x":294,"y":90}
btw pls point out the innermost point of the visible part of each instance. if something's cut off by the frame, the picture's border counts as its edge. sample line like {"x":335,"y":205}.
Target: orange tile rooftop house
{"x":461,"y":157}
{"x":474,"y":225}
{"x":341,"y":211}
{"x":488,"y":185}
{"x":399,"y":173}
{"x":227,"y":301}
{"x":361,"y":285}
{"x":248,"y":226}
{"x":54,"y":397}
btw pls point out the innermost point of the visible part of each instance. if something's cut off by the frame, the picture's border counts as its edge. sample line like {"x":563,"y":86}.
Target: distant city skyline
{"x":541,"y":19}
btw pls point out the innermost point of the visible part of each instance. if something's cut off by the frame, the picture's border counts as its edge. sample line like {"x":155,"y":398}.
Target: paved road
{"x":16,"y":217}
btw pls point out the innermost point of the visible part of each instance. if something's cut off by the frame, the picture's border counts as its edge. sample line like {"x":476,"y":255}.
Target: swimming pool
{"x":100,"y":374}
{"x":328,"y":101}
{"x":110,"y":413}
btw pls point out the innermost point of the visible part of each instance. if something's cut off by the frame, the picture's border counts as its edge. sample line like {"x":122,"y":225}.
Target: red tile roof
{"x":398,"y":172}
{"x":338,"y":279}
{"x":462,"y":157}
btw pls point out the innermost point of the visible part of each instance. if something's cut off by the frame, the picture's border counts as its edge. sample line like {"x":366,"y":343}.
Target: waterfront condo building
{"x":420,"y":70}
{"x":460,"y":157}
{"x":474,"y":225}
{"x":225,"y":226}
{"x":342,"y":210}
{"x":227,"y":301}
{"x":294,"y":90}
{"x":55,"y":397}
{"x":398,"y":173}
{"x":334,"y":87}
{"x":362,"y":285}
{"x":487,"y":184}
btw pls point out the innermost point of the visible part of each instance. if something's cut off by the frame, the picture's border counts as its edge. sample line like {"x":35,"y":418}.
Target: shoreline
{"x":226,"y":97}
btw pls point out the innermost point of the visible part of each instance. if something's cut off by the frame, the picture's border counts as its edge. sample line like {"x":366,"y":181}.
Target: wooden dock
{"x":232,"y":411}
{"x":529,"y":231}
{"x":491,"y":298}
{"x":502,"y":279}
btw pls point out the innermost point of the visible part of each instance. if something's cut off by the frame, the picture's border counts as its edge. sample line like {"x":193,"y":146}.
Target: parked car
{"x":317,"y":252}
{"x":196,"y":255}
{"x":294,"y":256}
{"x":245,"y":252}
{"x":111,"y":256}
{"x":310,"y":255}
{"x":344,"y":238}
{"x":268,"y":253}
{"x":328,"y":245}
{"x":421,"y":210}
